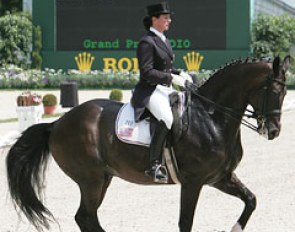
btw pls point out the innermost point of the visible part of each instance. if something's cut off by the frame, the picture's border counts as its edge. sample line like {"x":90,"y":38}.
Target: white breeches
{"x":159,"y":104}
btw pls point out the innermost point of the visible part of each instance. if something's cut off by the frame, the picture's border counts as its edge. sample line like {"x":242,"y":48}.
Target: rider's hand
{"x":178,"y":80}
{"x":186,"y":76}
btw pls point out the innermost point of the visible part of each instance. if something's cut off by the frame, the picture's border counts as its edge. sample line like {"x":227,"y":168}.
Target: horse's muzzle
{"x":273,"y":132}
{"x":270,"y":130}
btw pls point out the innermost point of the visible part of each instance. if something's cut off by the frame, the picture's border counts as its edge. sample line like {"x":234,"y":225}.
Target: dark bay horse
{"x":84,"y":145}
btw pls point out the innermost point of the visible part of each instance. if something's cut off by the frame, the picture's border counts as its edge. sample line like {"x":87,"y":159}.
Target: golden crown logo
{"x":84,"y":61}
{"x":193,"y":61}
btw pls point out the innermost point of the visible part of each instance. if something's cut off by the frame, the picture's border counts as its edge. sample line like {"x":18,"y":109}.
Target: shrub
{"x":36,"y":54}
{"x":49,"y":100}
{"x":290,"y":79}
{"x":15,"y":40}
{"x":116,"y":94}
{"x":11,"y":5}
{"x":272,"y":35}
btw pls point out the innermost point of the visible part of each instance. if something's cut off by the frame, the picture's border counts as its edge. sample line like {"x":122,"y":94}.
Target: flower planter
{"x":28,"y":115}
{"x":49,"y":109}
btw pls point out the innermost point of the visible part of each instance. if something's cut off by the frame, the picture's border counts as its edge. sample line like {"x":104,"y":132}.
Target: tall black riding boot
{"x":156,"y":149}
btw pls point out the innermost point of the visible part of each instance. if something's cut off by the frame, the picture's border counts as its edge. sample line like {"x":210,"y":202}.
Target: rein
{"x":230,"y":112}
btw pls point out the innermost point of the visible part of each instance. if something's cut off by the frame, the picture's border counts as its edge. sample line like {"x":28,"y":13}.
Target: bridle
{"x":260,"y":115}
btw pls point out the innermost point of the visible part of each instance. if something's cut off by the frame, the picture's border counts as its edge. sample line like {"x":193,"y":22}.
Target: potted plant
{"x":28,"y":99}
{"x":116,"y":95}
{"x":29,"y":109}
{"x":49,"y":103}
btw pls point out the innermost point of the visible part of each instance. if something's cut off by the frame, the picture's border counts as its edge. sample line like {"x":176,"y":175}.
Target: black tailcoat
{"x":155,"y":59}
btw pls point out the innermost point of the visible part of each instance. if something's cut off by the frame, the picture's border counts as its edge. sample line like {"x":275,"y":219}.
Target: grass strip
{"x":7,"y":120}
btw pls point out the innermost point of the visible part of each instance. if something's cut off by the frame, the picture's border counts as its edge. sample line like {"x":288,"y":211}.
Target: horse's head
{"x":267,"y":100}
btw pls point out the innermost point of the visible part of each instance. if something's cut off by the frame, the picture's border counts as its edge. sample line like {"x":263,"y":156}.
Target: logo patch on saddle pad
{"x":129,"y":131}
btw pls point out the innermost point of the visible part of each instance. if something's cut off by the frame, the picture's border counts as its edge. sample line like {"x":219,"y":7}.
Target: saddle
{"x":139,"y":133}
{"x":128,"y":131}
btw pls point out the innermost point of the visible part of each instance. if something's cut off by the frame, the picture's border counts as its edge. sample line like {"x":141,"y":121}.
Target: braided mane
{"x":224,"y":68}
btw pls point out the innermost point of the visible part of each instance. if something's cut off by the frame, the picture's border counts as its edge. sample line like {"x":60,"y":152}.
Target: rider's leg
{"x":159,"y":106}
{"x":156,"y":148}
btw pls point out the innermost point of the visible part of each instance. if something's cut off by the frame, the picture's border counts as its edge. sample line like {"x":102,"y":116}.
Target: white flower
{"x":73,"y":71}
{"x":22,"y":76}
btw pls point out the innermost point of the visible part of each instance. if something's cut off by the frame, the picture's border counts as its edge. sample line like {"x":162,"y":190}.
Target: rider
{"x":155,"y":58}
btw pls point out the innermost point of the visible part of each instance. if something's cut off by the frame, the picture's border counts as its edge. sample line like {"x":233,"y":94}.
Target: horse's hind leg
{"x":92,"y":194}
{"x":233,"y":186}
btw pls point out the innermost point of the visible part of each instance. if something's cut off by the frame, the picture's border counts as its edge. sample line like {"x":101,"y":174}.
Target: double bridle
{"x":260,"y":115}
{"x":268,"y":93}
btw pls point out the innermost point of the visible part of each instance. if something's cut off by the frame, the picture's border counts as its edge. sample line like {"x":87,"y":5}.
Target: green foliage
{"x":273,"y":35}
{"x":49,"y":100}
{"x":10,"y":6}
{"x":116,"y":94}
{"x":36,"y":56}
{"x":290,"y":80}
{"x":15,"y":40}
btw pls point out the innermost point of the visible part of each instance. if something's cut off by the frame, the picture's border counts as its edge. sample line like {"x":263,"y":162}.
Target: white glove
{"x":178,"y":80}
{"x":186,"y":76}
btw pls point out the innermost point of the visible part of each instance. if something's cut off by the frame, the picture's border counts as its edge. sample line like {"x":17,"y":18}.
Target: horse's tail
{"x":26,"y":165}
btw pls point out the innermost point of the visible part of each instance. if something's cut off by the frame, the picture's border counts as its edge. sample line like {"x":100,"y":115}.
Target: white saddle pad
{"x":129,"y":131}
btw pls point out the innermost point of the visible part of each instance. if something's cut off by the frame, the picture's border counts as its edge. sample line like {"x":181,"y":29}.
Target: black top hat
{"x":158,"y":9}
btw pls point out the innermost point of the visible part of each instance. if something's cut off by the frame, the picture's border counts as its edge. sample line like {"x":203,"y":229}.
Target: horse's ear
{"x":276,"y":66}
{"x":286,"y":63}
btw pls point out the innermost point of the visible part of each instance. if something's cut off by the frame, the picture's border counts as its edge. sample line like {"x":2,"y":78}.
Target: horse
{"x":84,"y":145}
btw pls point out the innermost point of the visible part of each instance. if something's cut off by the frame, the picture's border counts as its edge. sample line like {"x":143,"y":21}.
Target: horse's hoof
{"x":237,"y":228}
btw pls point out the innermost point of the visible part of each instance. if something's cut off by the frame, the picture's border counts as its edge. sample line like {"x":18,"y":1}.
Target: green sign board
{"x":109,"y":31}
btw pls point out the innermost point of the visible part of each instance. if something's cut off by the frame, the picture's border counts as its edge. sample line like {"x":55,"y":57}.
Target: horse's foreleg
{"x":189,"y":197}
{"x":92,"y":195}
{"x":233,"y":186}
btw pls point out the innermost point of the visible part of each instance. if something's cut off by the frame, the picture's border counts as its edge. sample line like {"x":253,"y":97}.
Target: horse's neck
{"x":227,"y":94}
{"x":230,"y":87}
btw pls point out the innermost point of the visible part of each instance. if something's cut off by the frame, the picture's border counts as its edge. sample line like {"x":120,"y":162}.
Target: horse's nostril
{"x":273,"y":134}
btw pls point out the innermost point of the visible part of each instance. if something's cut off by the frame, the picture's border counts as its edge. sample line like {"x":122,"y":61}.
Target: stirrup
{"x":159,"y":169}
{"x":163,"y":170}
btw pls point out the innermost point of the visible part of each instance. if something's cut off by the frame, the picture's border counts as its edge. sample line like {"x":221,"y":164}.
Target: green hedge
{"x":13,"y":77}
